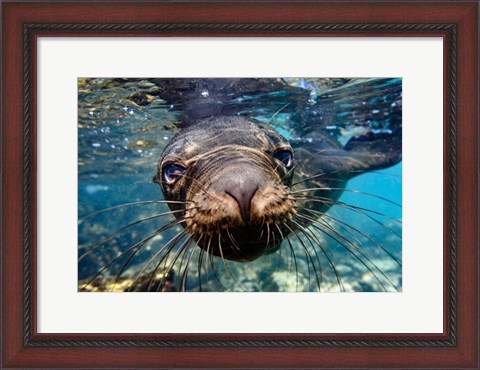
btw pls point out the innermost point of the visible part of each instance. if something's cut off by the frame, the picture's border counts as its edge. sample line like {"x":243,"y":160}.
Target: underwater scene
{"x":240,"y":184}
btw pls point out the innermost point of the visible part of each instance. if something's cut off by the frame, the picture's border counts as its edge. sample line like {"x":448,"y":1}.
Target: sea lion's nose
{"x":243,"y":194}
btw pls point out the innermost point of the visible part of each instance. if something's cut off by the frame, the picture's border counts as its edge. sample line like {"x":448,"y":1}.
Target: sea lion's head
{"x":231,"y":177}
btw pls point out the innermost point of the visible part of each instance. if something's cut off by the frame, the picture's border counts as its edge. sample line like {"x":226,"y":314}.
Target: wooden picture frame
{"x":456,"y":22}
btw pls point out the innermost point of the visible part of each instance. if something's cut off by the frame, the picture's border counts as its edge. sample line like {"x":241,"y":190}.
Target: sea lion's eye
{"x":172,"y":172}
{"x":285,"y":156}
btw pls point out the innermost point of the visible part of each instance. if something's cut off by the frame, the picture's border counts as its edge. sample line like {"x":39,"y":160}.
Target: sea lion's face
{"x":234,"y":177}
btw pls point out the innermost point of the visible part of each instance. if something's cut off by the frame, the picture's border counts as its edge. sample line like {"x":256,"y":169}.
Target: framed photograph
{"x":240,"y":185}
{"x":265,"y":191}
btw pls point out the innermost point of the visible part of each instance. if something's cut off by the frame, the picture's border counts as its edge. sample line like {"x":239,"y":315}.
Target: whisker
{"x":288,"y":173}
{"x":199,"y":269}
{"x":268,"y":233}
{"x":321,"y":175}
{"x":351,"y":191}
{"x":327,"y":215}
{"x":278,"y":111}
{"x":212,"y":265}
{"x":294,"y":257}
{"x":135,"y":246}
{"x":273,"y":237}
{"x":357,"y":209}
{"x":324,"y":251}
{"x":319,"y":278}
{"x":80,"y":219}
{"x":309,"y":258}
{"x":368,"y":259}
{"x":279,"y":261}
{"x":289,"y":259}
{"x":197,"y":181}
{"x":177,"y":254}
{"x":180,"y":266}
{"x":112,"y":235}
{"x":175,"y":239}
{"x":317,"y":222}
{"x":183,"y":282}
{"x":235,"y":244}
{"x":305,"y":179}
{"x":223,"y":259}
{"x":207,"y":257}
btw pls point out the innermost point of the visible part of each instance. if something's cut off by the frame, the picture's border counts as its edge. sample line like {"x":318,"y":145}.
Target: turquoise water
{"x":123,"y":127}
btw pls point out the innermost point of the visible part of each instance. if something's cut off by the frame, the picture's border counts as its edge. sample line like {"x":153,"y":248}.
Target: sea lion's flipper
{"x":371,"y":151}
{"x":324,"y":166}
{"x":377,"y":151}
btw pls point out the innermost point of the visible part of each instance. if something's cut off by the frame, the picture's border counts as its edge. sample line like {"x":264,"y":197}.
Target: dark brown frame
{"x":456,"y":22}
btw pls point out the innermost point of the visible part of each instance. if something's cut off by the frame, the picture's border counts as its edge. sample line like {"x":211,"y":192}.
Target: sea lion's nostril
{"x":243,"y":194}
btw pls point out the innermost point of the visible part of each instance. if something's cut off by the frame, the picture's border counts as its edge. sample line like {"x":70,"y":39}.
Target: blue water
{"x":120,"y":142}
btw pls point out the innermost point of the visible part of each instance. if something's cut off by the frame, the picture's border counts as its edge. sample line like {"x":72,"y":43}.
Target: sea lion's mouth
{"x":219,"y":224}
{"x":243,"y":243}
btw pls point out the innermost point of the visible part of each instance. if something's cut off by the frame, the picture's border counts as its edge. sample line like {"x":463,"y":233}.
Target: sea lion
{"x":233,"y":187}
{"x":240,"y":189}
